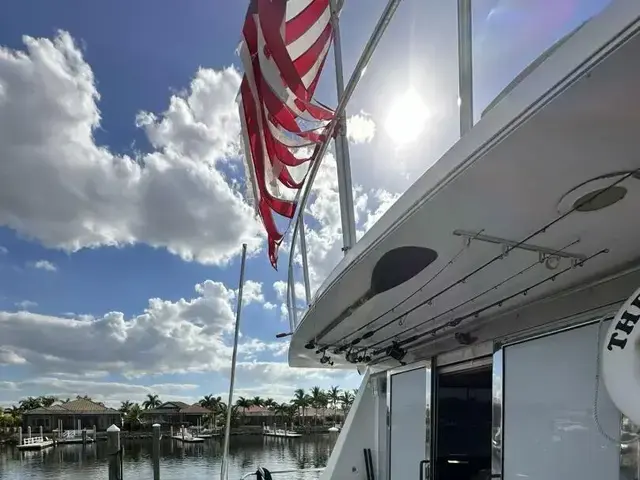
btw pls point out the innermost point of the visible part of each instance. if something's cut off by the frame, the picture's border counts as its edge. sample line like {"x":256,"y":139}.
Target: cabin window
{"x":548,"y":392}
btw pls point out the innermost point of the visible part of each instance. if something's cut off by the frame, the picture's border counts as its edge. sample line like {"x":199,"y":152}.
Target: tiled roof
{"x":176,"y":407}
{"x":178,"y":404}
{"x":195,"y":408}
{"x":84,"y":405}
{"x":81,"y":405}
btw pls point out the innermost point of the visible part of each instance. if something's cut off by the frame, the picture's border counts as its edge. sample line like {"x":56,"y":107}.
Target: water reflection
{"x":177,"y":460}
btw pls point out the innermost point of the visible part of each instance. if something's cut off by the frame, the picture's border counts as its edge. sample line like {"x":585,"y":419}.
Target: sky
{"x":122,"y":193}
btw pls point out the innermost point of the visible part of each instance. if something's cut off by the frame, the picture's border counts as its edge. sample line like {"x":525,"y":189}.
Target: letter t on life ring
{"x":621,"y":359}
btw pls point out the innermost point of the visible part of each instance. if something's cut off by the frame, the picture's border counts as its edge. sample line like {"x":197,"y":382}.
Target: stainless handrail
{"x":297,"y":470}
{"x":357,"y":74}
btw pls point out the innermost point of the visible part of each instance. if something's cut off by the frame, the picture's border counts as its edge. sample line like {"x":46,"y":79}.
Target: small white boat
{"x":35,"y":443}
{"x":186,"y":437}
{"x":73,"y":437}
{"x":333,"y":429}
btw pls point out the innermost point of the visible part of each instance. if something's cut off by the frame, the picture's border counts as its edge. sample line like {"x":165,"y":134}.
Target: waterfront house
{"x":81,"y":413}
{"x":262,"y":415}
{"x":176,"y":413}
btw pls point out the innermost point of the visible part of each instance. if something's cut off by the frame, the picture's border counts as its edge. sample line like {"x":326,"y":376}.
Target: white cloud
{"x":384,"y":200}
{"x":168,"y":337}
{"x":324,"y":241}
{"x":269,"y":306}
{"x":44,"y":265}
{"x":26,"y":304}
{"x":360,"y":128}
{"x":175,"y":197}
{"x":9,"y":357}
{"x":3,"y":250}
{"x":252,"y":292}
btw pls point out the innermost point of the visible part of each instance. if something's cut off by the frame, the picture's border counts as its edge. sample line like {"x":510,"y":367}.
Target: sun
{"x":407,"y":118}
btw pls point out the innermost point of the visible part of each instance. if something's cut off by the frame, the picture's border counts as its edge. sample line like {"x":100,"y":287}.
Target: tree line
{"x":325,"y":403}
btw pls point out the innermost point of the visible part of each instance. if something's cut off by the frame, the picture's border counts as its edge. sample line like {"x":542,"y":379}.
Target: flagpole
{"x":224,"y":474}
{"x":343,"y":161}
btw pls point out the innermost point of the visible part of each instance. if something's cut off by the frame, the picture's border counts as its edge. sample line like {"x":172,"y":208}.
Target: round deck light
{"x":598,"y":193}
{"x":599,"y":199}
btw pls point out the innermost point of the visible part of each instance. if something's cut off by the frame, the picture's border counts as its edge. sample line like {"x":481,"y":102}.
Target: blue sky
{"x":88,"y":237}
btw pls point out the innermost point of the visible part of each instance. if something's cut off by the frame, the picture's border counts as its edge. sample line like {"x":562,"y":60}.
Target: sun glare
{"x":407,"y":118}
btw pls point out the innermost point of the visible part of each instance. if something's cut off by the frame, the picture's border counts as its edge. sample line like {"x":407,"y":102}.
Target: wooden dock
{"x":35,"y":443}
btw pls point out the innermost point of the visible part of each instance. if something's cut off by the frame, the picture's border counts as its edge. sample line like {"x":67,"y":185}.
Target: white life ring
{"x":621,"y":359}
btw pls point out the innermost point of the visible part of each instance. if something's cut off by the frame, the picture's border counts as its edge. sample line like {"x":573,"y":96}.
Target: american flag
{"x":283,"y":50}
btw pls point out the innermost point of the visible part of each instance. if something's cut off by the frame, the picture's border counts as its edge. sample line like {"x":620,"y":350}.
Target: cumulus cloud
{"x":59,"y":187}
{"x":9,"y":357}
{"x":360,"y":128}
{"x":324,"y":240}
{"x":168,"y":337}
{"x":188,"y":335}
{"x":26,"y":304}
{"x":252,"y":292}
{"x":44,"y":265}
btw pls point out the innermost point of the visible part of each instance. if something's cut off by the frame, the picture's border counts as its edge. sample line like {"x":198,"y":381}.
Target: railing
{"x":496,"y":47}
{"x":277,"y":472}
{"x":298,"y":223}
{"x":32,"y":440}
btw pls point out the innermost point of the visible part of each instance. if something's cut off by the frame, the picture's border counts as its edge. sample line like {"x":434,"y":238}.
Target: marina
{"x":176,"y":460}
{"x":490,"y":312}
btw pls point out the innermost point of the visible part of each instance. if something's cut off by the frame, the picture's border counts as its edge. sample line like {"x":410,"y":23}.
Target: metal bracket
{"x":544,"y":252}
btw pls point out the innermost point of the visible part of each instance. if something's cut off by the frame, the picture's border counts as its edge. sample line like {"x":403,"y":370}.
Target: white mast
{"x":343,"y":161}
{"x":224,"y":474}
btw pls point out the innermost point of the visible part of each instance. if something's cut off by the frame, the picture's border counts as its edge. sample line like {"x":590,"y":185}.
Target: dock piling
{"x":29,"y":431}
{"x":40,"y":432}
{"x":94,"y":433}
{"x":115,"y":453}
{"x":20,"y":436}
{"x":84,"y":436}
{"x":156,"y":451}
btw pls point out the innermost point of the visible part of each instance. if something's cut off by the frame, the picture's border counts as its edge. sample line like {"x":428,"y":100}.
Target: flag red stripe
{"x":270,"y":120}
{"x":300,"y":24}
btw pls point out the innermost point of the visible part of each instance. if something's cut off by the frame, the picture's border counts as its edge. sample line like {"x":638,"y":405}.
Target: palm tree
{"x":211,"y":403}
{"x":47,"y":401}
{"x":125,"y":407}
{"x":301,"y":401}
{"x":317,"y":400}
{"x":133,"y":416}
{"x":257,"y":402}
{"x":334,"y":398}
{"x":30,"y":403}
{"x":222,"y":411}
{"x":243,"y":403}
{"x":152,"y":401}
{"x":346,"y":399}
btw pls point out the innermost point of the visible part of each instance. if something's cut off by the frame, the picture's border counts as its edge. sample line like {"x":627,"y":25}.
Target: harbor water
{"x":177,"y":460}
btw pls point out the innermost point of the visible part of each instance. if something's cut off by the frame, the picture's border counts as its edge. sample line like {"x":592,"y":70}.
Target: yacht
{"x":488,"y":309}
